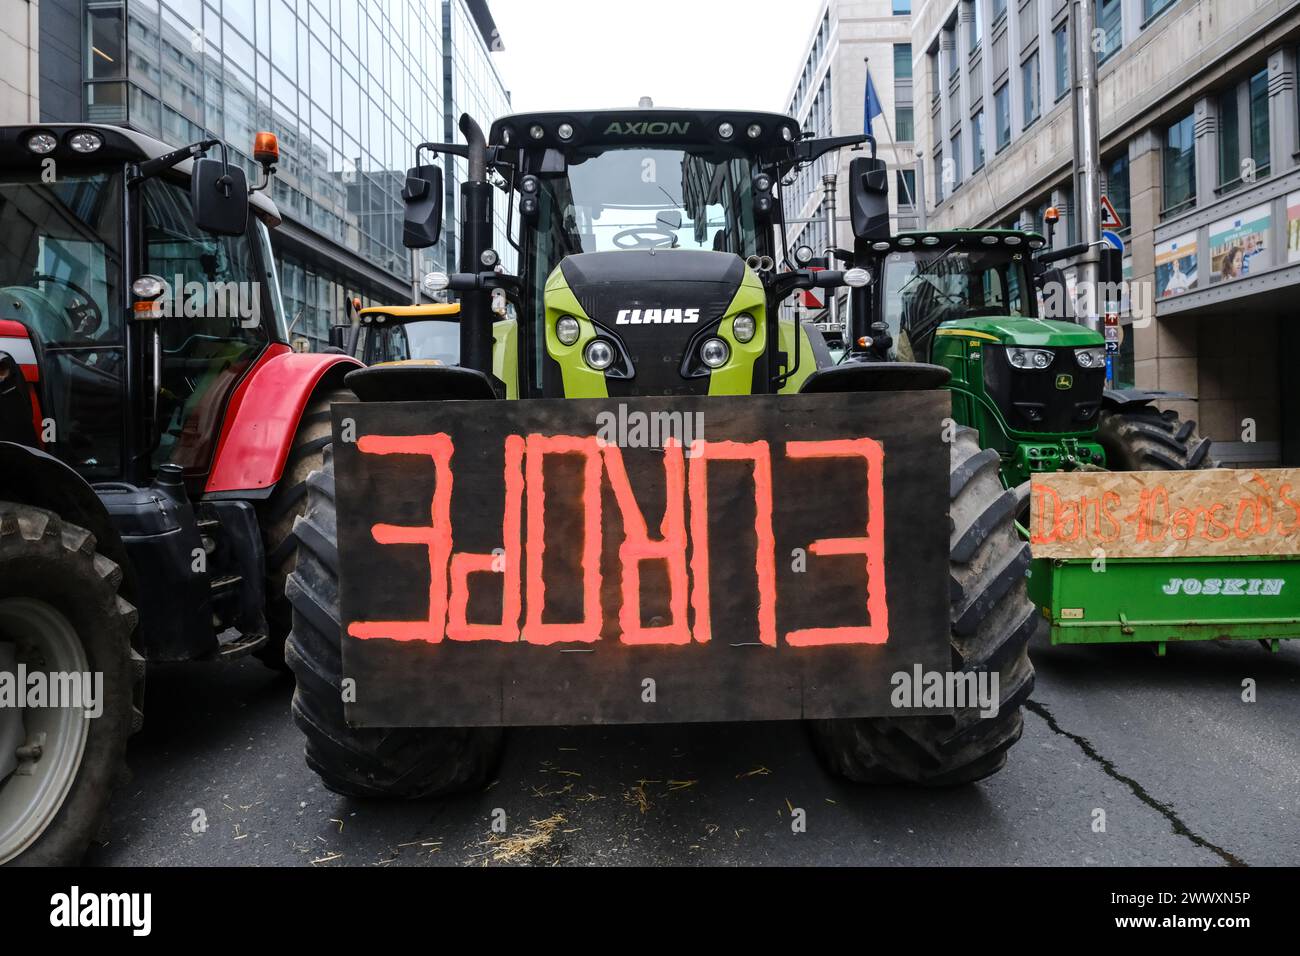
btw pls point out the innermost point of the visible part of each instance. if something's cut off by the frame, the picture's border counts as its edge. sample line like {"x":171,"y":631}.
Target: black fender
{"x":33,"y":477}
{"x":1113,"y":399}
{"x":876,"y":377}
{"x":401,"y":382}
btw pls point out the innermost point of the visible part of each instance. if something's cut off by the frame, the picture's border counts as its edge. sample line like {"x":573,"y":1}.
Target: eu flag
{"x":871,"y":106}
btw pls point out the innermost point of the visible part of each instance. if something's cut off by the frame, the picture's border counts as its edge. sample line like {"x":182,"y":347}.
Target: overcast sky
{"x":576,"y":54}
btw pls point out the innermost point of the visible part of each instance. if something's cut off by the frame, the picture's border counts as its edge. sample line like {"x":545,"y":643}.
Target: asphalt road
{"x":1184,"y":770}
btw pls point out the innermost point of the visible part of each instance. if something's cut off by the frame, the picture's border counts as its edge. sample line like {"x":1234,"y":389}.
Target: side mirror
{"x":869,"y":198}
{"x":422,"y":222}
{"x":219,"y":197}
{"x":338,"y":336}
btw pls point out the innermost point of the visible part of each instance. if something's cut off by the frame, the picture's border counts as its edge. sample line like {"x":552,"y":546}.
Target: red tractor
{"x":156,"y":433}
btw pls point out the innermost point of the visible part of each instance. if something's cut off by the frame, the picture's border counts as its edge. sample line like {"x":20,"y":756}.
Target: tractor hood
{"x":1028,"y":333}
{"x":656,"y":307}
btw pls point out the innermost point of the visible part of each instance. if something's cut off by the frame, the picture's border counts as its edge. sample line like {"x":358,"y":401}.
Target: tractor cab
{"x":141,"y":278}
{"x":651,"y":252}
{"x":968,"y":300}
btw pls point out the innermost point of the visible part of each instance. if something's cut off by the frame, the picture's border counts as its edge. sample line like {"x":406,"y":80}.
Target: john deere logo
{"x":1064,"y":382}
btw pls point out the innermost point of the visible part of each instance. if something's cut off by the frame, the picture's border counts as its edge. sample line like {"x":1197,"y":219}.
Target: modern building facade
{"x":1201,"y":160}
{"x":350,"y":87}
{"x":828,"y":98}
{"x":19,"y":64}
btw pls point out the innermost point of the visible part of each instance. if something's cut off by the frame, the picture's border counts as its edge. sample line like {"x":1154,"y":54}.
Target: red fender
{"x":263,"y":416}
{"x":17,"y":342}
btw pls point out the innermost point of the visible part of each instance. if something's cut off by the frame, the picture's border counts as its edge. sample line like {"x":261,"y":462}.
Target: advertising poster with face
{"x":1176,"y":266}
{"x":1238,"y":245}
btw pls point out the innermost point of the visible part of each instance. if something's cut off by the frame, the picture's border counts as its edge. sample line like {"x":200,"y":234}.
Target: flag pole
{"x":911,"y":200}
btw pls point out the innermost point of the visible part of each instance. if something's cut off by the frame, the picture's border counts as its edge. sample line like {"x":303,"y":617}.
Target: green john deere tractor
{"x":1035,"y":390}
{"x":651,"y":271}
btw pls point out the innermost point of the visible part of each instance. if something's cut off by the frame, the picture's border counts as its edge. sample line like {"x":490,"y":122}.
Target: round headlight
{"x":1042,"y":359}
{"x":536,"y":131}
{"x":787,"y":134}
{"x":567,"y":330}
{"x":1084,"y":357}
{"x":714,"y":353}
{"x":489,"y":258}
{"x":41,"y":143}
{"x":85,"y":141}
{"x":435,"y":281}
{"x":743,"y":327}
{"x":599,"y":354}
{"x":803,"y":254}
{"x":754,"y":131}
{"x":565,"y":131}
{"x":529,"y":184}
{"x":726,"y":130}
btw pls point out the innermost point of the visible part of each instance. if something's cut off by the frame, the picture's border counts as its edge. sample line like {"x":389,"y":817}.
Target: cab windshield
{"x":925,"y":288}
{"x":427,"y":340}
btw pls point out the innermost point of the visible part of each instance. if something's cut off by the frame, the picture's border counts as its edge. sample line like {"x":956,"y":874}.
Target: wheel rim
{"x":31,"y":796}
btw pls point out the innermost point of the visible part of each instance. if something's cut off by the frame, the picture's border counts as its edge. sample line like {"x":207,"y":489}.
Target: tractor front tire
{"x":60,"y":612}
{"x":992,"y":621}
{"x":404,"y":762}
{"x":282,"y":509}
{"x":1143,"y":438}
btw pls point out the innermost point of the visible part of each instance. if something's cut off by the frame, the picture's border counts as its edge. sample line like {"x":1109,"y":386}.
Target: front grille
{"x":1040,"y":400}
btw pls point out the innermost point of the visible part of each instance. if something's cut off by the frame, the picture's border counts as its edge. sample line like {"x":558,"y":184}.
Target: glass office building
{"x":349,"y":87}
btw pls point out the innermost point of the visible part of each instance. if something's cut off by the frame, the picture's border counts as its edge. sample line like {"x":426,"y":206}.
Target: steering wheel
{"x":645,"y":237}
{"x":83,"y":315}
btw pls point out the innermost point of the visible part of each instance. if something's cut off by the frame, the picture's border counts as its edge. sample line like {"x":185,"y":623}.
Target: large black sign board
{"x":569,"y":561}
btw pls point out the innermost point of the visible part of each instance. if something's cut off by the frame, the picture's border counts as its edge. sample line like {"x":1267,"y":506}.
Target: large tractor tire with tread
{"x":282,"y":509}
{"x":60,"y":611}
{"x":992,"y":621}
{"x":404,"y":762}
{"x":1144,"y":438}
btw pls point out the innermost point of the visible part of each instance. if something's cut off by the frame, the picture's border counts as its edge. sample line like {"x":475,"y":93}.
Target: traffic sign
{"x":1114,"y":239}
{"x":1109,"y":218}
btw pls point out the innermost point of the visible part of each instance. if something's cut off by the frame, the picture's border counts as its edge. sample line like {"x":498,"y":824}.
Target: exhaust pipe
{"x":473,"y":134}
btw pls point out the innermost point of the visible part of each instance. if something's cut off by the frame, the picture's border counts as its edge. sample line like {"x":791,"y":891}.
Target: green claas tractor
{"x":1035,"y":390}
{"x":637,"y":493}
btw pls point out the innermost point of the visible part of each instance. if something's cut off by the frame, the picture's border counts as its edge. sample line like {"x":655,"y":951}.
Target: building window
{"x":1229,"y":141}
{"x":902,"y":7}
{"x":1117,"y":190}
{"x":1029,"y":83}
{"x":976,"y":25}
{"x":1002,"y":114}
{"x":902,"y":61}
{"x":935,"y":92}
{"x":977,"y":139}
{"x":954,"y":167}
{"x":1110,"y":21}
{"x":1061,"y":45}
{"x":1153,"y":8}
{"x":1260,"y":145}
{"x":1244,"y":153}
{"x":904,"y":130}
{"x":906,"y":185}
{"x":999,"y":8}
{"x":1180,"y":167}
